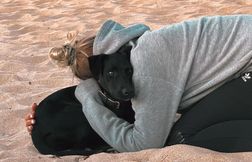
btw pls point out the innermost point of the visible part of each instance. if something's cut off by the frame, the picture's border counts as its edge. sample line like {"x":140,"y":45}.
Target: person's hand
{"x":30,"y":118}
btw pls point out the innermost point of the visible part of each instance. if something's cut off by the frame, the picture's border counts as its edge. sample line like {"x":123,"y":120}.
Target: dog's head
{"x":114,"y":73}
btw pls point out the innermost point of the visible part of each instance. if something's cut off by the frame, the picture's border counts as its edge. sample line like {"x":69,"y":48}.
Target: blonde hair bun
{"x":74,"y":53}
{"x":59,"y":56}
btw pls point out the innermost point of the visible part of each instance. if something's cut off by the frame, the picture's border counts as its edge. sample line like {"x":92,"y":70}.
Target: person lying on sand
{"x":200,"y":68}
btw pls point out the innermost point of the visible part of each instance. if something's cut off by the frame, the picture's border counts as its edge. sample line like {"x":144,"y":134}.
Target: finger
{"x":29,"y":129}
{"x":32,"y":115}
{"x":29,"y":116}
{"x":30,"y":122}
{"x":34,"y":106}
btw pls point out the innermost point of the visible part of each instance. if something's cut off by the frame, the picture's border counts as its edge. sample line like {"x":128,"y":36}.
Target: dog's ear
{"x":125,"y":49}
{"x":96,"y":65}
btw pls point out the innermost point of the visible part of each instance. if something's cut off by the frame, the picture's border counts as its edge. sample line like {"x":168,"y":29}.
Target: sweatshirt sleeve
{"x":153,"y":117}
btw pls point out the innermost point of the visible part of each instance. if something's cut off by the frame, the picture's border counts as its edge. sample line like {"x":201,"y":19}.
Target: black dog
{"x":114,"y":74}
{"x":61,"y":127}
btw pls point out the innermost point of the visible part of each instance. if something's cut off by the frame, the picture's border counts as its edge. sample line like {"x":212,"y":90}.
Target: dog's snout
{"x":127,"y":92}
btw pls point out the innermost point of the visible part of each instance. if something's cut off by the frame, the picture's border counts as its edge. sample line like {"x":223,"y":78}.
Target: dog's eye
{"x":111,"y":74}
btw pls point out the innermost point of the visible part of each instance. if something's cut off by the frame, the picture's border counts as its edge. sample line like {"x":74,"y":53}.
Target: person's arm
{"x":154,"y":114}
{"x":156,"y":72}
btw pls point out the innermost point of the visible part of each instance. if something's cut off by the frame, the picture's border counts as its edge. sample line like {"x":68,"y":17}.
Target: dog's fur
{"x":114,"y":79}
{"x":61,"y":127}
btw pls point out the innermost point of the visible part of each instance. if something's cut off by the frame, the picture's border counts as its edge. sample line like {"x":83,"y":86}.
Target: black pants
{"x":221,"y":121}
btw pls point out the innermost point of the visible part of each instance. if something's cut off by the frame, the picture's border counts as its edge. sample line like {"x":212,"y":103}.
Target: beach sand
{"x":30,"y":28}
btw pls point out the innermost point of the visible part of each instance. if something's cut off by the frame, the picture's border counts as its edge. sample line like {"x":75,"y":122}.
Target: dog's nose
{"x":127,"y":92}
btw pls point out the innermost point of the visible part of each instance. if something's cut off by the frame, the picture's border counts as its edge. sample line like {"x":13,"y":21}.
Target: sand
{"x":30,"y":28}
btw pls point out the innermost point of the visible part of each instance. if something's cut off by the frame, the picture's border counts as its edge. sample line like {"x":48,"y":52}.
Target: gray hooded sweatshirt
{"x":174,"y":67}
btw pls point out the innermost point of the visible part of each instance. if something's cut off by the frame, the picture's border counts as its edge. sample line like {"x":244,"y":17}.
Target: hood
{"x":113,"y":35}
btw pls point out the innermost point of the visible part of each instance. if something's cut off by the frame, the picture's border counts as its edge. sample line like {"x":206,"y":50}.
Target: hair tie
{"x":71,"y":52}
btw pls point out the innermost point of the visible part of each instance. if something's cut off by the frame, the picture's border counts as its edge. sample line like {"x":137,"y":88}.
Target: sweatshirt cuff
{"x":86,"y":88}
